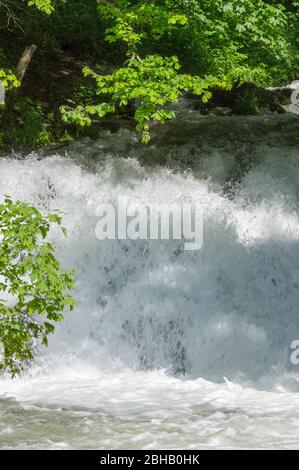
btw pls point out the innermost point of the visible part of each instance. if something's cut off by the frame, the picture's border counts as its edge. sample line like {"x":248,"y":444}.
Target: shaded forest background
{"x":246,"y":45}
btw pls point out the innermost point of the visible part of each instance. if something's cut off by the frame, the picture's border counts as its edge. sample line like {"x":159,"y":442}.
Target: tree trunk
{"x":23,"y":65}
{"x":25,"y":61}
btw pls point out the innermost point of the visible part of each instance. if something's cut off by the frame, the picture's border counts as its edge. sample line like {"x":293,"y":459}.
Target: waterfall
{"x":208,"y":330}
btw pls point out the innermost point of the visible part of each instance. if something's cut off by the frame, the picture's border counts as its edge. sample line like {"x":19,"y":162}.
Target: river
{"x":168,"y":349}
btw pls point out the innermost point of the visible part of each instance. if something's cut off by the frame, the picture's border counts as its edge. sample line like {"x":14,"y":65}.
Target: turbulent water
{"x":167,"y":348}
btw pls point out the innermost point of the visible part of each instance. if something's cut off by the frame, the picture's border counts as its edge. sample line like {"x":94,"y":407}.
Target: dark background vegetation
{"x":254,"y":43}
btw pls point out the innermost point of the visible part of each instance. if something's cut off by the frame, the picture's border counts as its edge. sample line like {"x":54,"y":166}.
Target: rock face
{"x":246,"y":100}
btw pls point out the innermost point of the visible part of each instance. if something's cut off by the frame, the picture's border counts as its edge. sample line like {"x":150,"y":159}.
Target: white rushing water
{"x":166,"y":349}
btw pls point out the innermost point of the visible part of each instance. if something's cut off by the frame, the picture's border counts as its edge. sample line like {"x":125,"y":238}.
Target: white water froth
{"x":166,"y":349}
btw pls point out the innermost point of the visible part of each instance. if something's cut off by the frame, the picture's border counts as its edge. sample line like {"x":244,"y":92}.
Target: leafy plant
{"x":153,"y":82}
{"x":8,"y":79}
{"x":33,"y":287}
{"x":248,"y":41}
{"x":46,"y":6}
{"x":230,"y":44}
{"x":7,"y":76}
{"x":29,"y":128}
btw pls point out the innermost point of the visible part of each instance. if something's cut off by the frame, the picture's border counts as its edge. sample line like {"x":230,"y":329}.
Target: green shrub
{"x":33,"y":288}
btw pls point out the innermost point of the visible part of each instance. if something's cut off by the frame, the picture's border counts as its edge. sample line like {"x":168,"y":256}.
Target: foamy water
{"x":166,"y":349}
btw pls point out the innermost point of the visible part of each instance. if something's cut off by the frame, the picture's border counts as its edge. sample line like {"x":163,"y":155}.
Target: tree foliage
{"x":225,"y":43}
{"x":33,"y":288}
{"x":153,"y":51}
{"x":153,"y":82}
{"x":246,"y":40}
